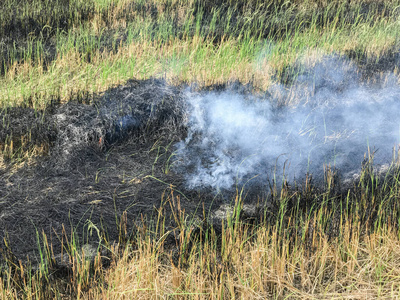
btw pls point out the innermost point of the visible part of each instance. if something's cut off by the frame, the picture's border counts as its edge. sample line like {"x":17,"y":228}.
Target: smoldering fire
{"x":329,"y":117}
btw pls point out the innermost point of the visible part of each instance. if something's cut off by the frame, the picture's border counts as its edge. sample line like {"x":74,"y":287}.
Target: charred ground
{"x":114,"y":158}
{"x":97,"y":166}
{"x":102,"y":160}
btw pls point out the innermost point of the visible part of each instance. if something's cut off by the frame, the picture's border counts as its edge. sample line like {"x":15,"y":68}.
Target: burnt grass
{"x":105,"y":156}
{"x":107,"y":159}
{"x":102,"y":160}
{"x":96,"y":165}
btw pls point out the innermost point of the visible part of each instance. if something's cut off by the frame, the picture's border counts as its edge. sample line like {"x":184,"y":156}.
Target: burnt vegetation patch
{"x":115,"y":157}
{"x":140,"y":108}
{"x":87,"y":184}
{"x":92,"y":152}
{"x":24,"y":128}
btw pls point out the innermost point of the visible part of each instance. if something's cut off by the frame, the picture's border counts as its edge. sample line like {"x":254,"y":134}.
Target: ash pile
{"x":146,"y":110}
{"x":128,"y":111}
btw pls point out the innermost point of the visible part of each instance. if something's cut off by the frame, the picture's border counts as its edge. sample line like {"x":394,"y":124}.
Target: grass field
{"x":309,"y":243}
{"x":88,"y":46}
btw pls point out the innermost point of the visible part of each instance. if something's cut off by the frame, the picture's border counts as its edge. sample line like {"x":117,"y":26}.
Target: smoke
{"x":328,"y":116}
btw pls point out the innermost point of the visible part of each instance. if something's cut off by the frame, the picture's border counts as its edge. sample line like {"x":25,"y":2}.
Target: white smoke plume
{"x":327,"y":117}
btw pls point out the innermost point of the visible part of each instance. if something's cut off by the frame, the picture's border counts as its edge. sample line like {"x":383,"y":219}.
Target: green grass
{"x":104,"y":43}
{"x":312,"y":243}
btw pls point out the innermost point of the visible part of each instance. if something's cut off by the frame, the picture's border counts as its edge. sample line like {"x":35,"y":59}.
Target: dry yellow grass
{"x":271,"y":266}
{"x":323,"y":253}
